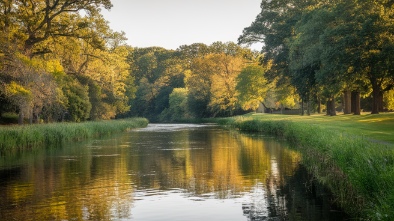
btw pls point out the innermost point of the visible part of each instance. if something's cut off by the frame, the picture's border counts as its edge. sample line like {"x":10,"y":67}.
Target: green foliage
{"x":77,"y":95}
{"x":325,"y":48}
{"x":252,"y":87}
{"x":156,"y":72}
{"x":94,"y":94}
{"x":207,"y":72}
{"x":177,"y":110}
{"x":9,"y":118}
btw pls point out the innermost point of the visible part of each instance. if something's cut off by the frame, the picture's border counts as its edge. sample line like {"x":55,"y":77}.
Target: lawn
{"x":377,"y":127}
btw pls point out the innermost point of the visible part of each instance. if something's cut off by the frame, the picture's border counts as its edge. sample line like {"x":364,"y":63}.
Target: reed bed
{"x":47,"y":135}
{"x":358,"y":169}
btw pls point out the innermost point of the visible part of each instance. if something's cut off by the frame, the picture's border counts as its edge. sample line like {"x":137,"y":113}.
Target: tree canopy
{"x":324,"y":48}
{"x":61,"y":61}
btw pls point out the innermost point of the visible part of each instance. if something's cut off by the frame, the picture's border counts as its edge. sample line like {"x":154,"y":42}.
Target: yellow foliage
{"x":225,"y":70}
{"x":54,"y":66}
{"x":389,"y":99}
{"x":48,"y":65}
{"x":15,"y":89}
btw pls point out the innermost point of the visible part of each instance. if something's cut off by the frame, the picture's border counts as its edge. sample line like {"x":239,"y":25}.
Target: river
{"x":164,"y":172}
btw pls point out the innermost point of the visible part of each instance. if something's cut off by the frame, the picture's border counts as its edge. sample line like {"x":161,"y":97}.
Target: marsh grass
{"x":352,"y":155}
{"x":48,"y":135}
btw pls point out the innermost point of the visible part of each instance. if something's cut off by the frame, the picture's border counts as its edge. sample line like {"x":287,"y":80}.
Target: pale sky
{"x":171,"y":23}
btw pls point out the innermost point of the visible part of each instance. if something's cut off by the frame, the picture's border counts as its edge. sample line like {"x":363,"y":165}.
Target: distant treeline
{"x":199,"y":81}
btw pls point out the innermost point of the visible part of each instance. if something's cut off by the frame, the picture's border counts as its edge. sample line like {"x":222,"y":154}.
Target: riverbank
{"x":352,"y":155}
{"x":46,"y":135}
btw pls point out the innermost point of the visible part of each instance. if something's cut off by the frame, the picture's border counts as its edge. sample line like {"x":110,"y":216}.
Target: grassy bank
{"x":44,"y":135}
{"x":352,"y":155}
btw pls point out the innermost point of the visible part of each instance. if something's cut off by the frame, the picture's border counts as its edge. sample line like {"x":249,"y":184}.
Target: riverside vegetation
{"x":37,"y":136}
{"x":352,"y":155}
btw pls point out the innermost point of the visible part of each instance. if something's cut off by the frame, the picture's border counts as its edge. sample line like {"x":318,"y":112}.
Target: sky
{"x":172,"y":23}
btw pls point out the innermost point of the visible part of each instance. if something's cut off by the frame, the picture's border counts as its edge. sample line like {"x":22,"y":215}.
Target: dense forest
{"x":60,"y":61}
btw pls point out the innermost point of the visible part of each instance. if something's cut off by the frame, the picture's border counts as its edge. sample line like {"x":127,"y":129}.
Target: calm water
{"x":163,"y":172}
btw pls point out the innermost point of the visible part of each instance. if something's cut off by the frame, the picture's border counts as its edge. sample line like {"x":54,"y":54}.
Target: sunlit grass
{"x":45,"y":135}
{"x":374,"y":127}
{"x":352,"y":155}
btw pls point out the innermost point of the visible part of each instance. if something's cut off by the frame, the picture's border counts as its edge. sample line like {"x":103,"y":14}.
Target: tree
{"x":199,"y":86}
{"x":252,"y":87}
{"x":77,"y":95}
{"x":327,"y":47}
{"x":275,"y":26}
{"x":305,"y":50}
{"x":28,"y":84}
{"x":39,"y":32}
{"x":357,"y":45}
{"x":190,"y":52}
{"x":156,"y":71}
{"x":177,"y":109}
{"x":212,"y":80}
{"x":226,"y":68}
{"x":40,"y":20}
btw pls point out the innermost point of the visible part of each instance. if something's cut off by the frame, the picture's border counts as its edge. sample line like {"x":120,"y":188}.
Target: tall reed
{"x":44,"y":135}
{"x":359,"y":171}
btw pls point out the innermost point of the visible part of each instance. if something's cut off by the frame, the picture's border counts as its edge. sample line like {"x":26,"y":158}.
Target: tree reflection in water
{"x":175,"y":172}
{"x":301,"y":198}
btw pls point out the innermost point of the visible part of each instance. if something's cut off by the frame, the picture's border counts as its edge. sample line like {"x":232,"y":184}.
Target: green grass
{"x":352,"y":155}
{"x":377,"y":127}
{"x":46,"y":135}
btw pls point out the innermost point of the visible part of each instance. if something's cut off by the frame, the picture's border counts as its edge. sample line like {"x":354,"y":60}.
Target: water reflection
{"x":163,"y":172}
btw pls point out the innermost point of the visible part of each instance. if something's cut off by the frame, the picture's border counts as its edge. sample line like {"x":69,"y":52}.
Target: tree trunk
{"x":375,"y":99}
{"x":347,"y":102}
{"x":266,"y":109}
{"x":308,"y":112}
{"x":36,"y":118}
{"x":333,"y":111}
{"x":318,"y":101}
{"x":20,"y":118}
{"x":331,"y":107}
{"x":381,"y":108}
{"x":356,"y":108}
{"x":353,"y":97}
{"x":328,"y":107}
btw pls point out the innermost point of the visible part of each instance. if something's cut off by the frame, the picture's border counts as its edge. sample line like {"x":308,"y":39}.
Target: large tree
{"x":72,"y":34}
{"x":252,"y":87}
{"x":275,"y":27}
{"x":223,"y":99}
